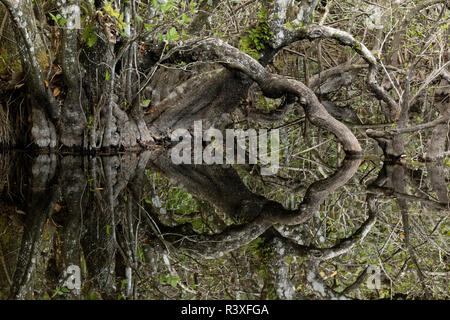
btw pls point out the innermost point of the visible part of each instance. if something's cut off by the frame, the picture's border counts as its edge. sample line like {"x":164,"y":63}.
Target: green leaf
{"x":173,"y":281}
{"x":186,"y":18}
{"x":92,"y":40}
{"x":122,"y":285}
{"x":172,"y":34}
{"x":145,"y":103}
{"x":53,"y":17}
{"x":58,"y":18}
{"x":89,"y":35}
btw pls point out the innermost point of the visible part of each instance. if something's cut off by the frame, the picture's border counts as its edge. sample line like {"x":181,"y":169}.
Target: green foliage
{"x":180,"y":201}
{"x":291,"y":26}
{"x":59,"y":20}
{"x":140,"y":253}
{"x":256,"y":38}
{"x":89,"y":37}
{"x":59,"y":292}
{"x":164,"y":6}
{"x":172,"y":34}
{"x":260,"y":247}
{"x":90,"y":121}
{"x":115,"y":14}
{"x":181,"y":205}
{"x":170,"y":280}
{"x":8,"y":61}
{"x":172,"y":17}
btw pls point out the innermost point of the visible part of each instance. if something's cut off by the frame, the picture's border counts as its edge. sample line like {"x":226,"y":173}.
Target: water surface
{"x":136,"y":226}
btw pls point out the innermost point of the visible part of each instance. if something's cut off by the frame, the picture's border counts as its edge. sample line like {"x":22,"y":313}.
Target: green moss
{"x":289,"y":26}
{"x":246,"y":46}
{"x":9,"y":64}
{"x":356,"y":46}
{"x":43,"y":59}
{"x":297,"y":26}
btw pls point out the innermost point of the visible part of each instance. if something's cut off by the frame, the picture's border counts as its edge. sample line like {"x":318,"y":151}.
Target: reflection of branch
{"x":215,"y":246}
{"x":100,"y":242}
{"x":316,"y":255}
{"x":436,"y":176}
{"x":318,"y":284}
{"x":428,"y":237}
{"x":266,"y":214}
{"x":391,"y":193}
{"x":3,"y":262}
{"x":283,"y":285}
{"x":45,"y":193}
{"x":344,"y":245}
{"x":406,"y":230}
{"x":316,"y":194}
{"x":174,"y":273}
{"x":357,"y":283}
{"x":347,"y":244}
{"x":73,"y":183}
{"x":398,"y":184}
{"x":263,"y":213}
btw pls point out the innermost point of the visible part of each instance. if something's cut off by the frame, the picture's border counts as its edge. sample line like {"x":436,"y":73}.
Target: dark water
{"x":135,"y":226}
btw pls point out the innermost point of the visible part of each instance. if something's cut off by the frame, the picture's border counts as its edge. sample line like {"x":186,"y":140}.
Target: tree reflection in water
{"x":139,"y":227}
